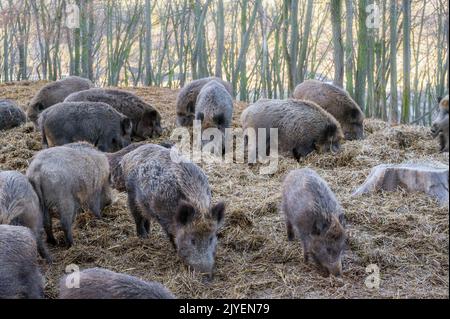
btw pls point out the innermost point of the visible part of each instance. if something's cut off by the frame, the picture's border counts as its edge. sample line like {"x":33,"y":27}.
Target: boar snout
{"x":335,"y":269}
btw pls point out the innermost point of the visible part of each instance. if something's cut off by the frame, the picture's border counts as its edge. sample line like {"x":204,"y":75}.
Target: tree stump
{"x":429,"y":178}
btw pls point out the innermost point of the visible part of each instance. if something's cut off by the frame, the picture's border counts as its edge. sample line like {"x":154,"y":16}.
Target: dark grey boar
{"x":337,"y":102}
{"x":303,"y":126}
{"x":114,"y":159}
{"x":54,"y":93}
{"x":10,"y":115}
{"x":314,"y":215}
{"x":19,"y":205}
{"x":69,"y":178}
{"x":96,"y":123}
{"x":177,"y":195}
{"x":145,"y":118}
{"x":214,"y":106}
{"x":440,"y":125}
{"x":98,"y":283}
{"x":20,"y":277}
{"x":187,"y":98}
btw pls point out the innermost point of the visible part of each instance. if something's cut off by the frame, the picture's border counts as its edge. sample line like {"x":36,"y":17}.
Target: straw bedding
{"x":405,"y":235}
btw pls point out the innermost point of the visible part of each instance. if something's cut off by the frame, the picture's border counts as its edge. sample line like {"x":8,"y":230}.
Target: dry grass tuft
{"x":406,"y":235}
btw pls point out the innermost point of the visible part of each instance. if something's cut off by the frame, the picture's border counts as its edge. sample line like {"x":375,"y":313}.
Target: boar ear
{"x":126,"y":126}
{"x":219,"y":119}
{"x":200,"y":116}
{"x":185,"y":213}
{"x":39,"y":106}
{"x":320,"y":227}
{"x":218,"y":212}
{"x":149,"y":116}
{"x":190,"y":107}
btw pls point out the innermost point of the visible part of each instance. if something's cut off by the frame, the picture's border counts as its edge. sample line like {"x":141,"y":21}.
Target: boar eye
{"x":211,"y":240}
{"x":193,"y":241}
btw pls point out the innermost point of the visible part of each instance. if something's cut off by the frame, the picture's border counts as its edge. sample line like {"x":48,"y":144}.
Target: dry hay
{"x":406,"y":235}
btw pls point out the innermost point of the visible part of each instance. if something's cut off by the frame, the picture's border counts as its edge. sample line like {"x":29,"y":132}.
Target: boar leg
{"x":302,"y":151}
{"x":42,"y":249}
{"x":95,"y":208}
{"x":48,"y":226}
{"x":141,"y":230}
{"x":67,"y":215}
{"x":290,"y":231}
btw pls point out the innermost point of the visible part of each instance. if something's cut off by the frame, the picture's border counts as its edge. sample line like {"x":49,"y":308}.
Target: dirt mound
{"x":405,"y":235}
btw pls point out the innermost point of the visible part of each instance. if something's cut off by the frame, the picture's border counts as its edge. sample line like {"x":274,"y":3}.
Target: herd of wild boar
{"x":93,"y":141}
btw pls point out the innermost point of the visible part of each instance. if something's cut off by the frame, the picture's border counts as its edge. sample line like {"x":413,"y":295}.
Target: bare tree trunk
{"x":304,"y":44}
{"x":349,"y":46}
{"x":148,"y":43}
{"x":361,"y":67}
{"x":220,"y":38}
{"x":393,"y":61}
{"x":406,"y":60}
{"x":338,"y":50}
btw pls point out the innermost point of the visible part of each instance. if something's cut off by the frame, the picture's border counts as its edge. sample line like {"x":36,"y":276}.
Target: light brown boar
{"x":187,"y":99}
{"x":98,"y":283}
{"x":440,"y":125}
{"x":177,"y":195}
{"x":145,"y":118}
{"x":54,"y":93}
{"x":337,"y":102}
{"x":67,"y":179}
{"x":314,"y":215}
{"x":19,"y":205}
{"x":20,"y":277}
{"x":302,"y":126}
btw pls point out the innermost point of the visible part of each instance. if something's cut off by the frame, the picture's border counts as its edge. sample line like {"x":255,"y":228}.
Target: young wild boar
{"x":178,"y":196}
{"x":98,"y":283}
{"x":10,"y":115}
{"x":187,"y":98}
{"x":145,"y":119}
{"x":55,"y":92}
{"x":19,"y":205}
{"x":20,"y":277}
{"x":214,"y":106}
{"x":440,"y":125}
{"x":337,"y":102}
{"x":303,"y":126}
{"x":66,"y":179}
{"x":93,"y":122}
{"x":314,"y":215}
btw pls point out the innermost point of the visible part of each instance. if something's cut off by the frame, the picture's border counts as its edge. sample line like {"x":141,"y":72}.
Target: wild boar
{"x":114,"y":163}
{"x":54,"y":93}
{"x":19,"y":205}
{"x":93,"y":122}
{"x":337,"y":102}
{"x":20,"y":277}
{"x":69,"y":178}
{"x":145,"y":118}
{"x":303,"y":126}
{"x":314,"y":215}
{"x":440,"y":125}
{"x":10,"y":115}
{"x":177,"y":195}
{"x":214,"y":107}
{"x":187,"y":98}
{"x":98,"y":283}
